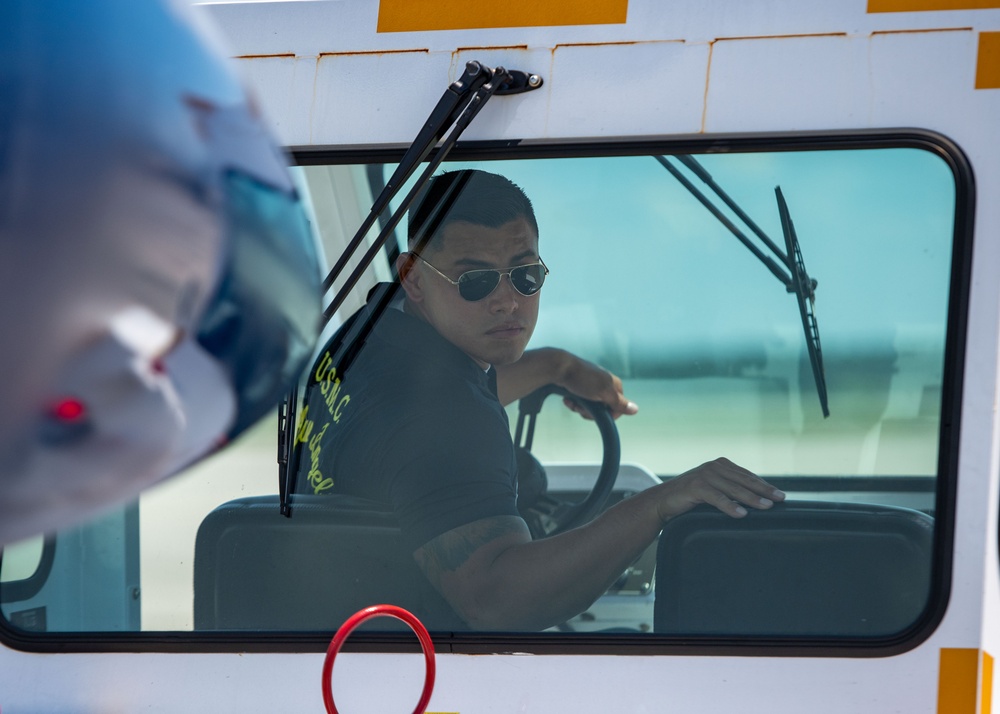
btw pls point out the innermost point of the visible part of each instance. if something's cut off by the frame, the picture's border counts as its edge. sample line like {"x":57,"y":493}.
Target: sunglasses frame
{"x":501,"y":273}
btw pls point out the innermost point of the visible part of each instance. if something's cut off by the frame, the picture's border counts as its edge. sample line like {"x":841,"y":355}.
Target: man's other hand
{"x":719,"y":483}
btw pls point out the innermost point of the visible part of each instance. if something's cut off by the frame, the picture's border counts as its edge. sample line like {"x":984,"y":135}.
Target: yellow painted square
{"x":986,"y":706}
{"x":424,"y":15}
{"x":988,"y":63}
{"x":929,"y":5}
{"x":957,"y":681}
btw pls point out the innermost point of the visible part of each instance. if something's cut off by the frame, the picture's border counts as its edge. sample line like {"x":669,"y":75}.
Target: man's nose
{"x":504,"y":298}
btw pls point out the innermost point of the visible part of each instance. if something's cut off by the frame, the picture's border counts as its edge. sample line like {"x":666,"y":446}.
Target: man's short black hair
{"x":470,"y":195}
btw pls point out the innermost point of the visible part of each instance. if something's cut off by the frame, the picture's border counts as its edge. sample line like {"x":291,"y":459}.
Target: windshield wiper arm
{"x":447,"y":111}
{"x":795,"y":280}
{"x":763,"y":257}
{"x":500,"y":81}
{"x":698,"y":170}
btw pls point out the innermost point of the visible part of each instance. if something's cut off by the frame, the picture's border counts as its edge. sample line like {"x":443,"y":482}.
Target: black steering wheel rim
{"x":576,"y":514}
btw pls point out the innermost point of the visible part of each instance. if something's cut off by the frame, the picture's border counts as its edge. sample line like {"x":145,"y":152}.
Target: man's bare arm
{"x":549,"y":365}
{"x":497,"y":578}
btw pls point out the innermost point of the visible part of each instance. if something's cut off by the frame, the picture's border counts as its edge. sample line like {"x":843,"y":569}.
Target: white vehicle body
{"x":362,"y":76}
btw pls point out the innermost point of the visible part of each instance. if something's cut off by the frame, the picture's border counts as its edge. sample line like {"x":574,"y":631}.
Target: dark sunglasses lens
{"x":477,"y":284}
{"x":528,"y":279}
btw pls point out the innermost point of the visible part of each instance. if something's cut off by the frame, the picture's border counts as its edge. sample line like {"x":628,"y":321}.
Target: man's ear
{"x":409,"y":276}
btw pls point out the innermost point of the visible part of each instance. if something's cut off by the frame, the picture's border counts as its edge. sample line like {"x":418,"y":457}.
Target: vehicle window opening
{"x":647,"y":284}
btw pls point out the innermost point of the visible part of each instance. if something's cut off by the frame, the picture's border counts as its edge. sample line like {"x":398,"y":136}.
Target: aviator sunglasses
{"x":474,"y":285}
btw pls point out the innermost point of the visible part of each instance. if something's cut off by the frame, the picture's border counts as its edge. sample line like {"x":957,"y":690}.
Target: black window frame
{"x":945,"y":484}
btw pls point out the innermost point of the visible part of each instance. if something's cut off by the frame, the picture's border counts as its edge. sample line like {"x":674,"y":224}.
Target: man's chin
{"x":501,"y":356}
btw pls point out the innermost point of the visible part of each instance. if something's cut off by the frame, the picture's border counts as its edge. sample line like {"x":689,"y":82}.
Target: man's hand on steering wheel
{"x":592,"y":382}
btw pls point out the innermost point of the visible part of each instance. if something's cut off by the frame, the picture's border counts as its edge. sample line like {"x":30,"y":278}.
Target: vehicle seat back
{"x":807,"y":568}
{"x":256,"y":569}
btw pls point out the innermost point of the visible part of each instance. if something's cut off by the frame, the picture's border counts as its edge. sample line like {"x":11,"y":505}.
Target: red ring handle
{"x":352,"y":623}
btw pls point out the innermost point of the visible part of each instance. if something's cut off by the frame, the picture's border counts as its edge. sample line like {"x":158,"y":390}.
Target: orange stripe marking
{"x":422,"y":15}
{"x":987,"y":687}
{"x":957,"y":681}
{"x":988,"y":64}
{"x":929,"y":5}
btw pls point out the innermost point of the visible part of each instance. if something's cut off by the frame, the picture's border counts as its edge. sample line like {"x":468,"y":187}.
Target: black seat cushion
{"x":256,"y":569}
{"x":800,"y":569}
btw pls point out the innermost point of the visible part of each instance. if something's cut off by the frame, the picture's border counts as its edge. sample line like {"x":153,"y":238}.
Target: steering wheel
{"x":544,"y":514}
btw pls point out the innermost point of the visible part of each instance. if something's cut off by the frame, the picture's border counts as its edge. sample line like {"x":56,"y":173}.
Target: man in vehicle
{"x":417,"y":420}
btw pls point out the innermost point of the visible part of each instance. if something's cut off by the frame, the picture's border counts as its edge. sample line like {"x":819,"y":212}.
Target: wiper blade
{"x":804,"y":288}
{"x":789,"y":268}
